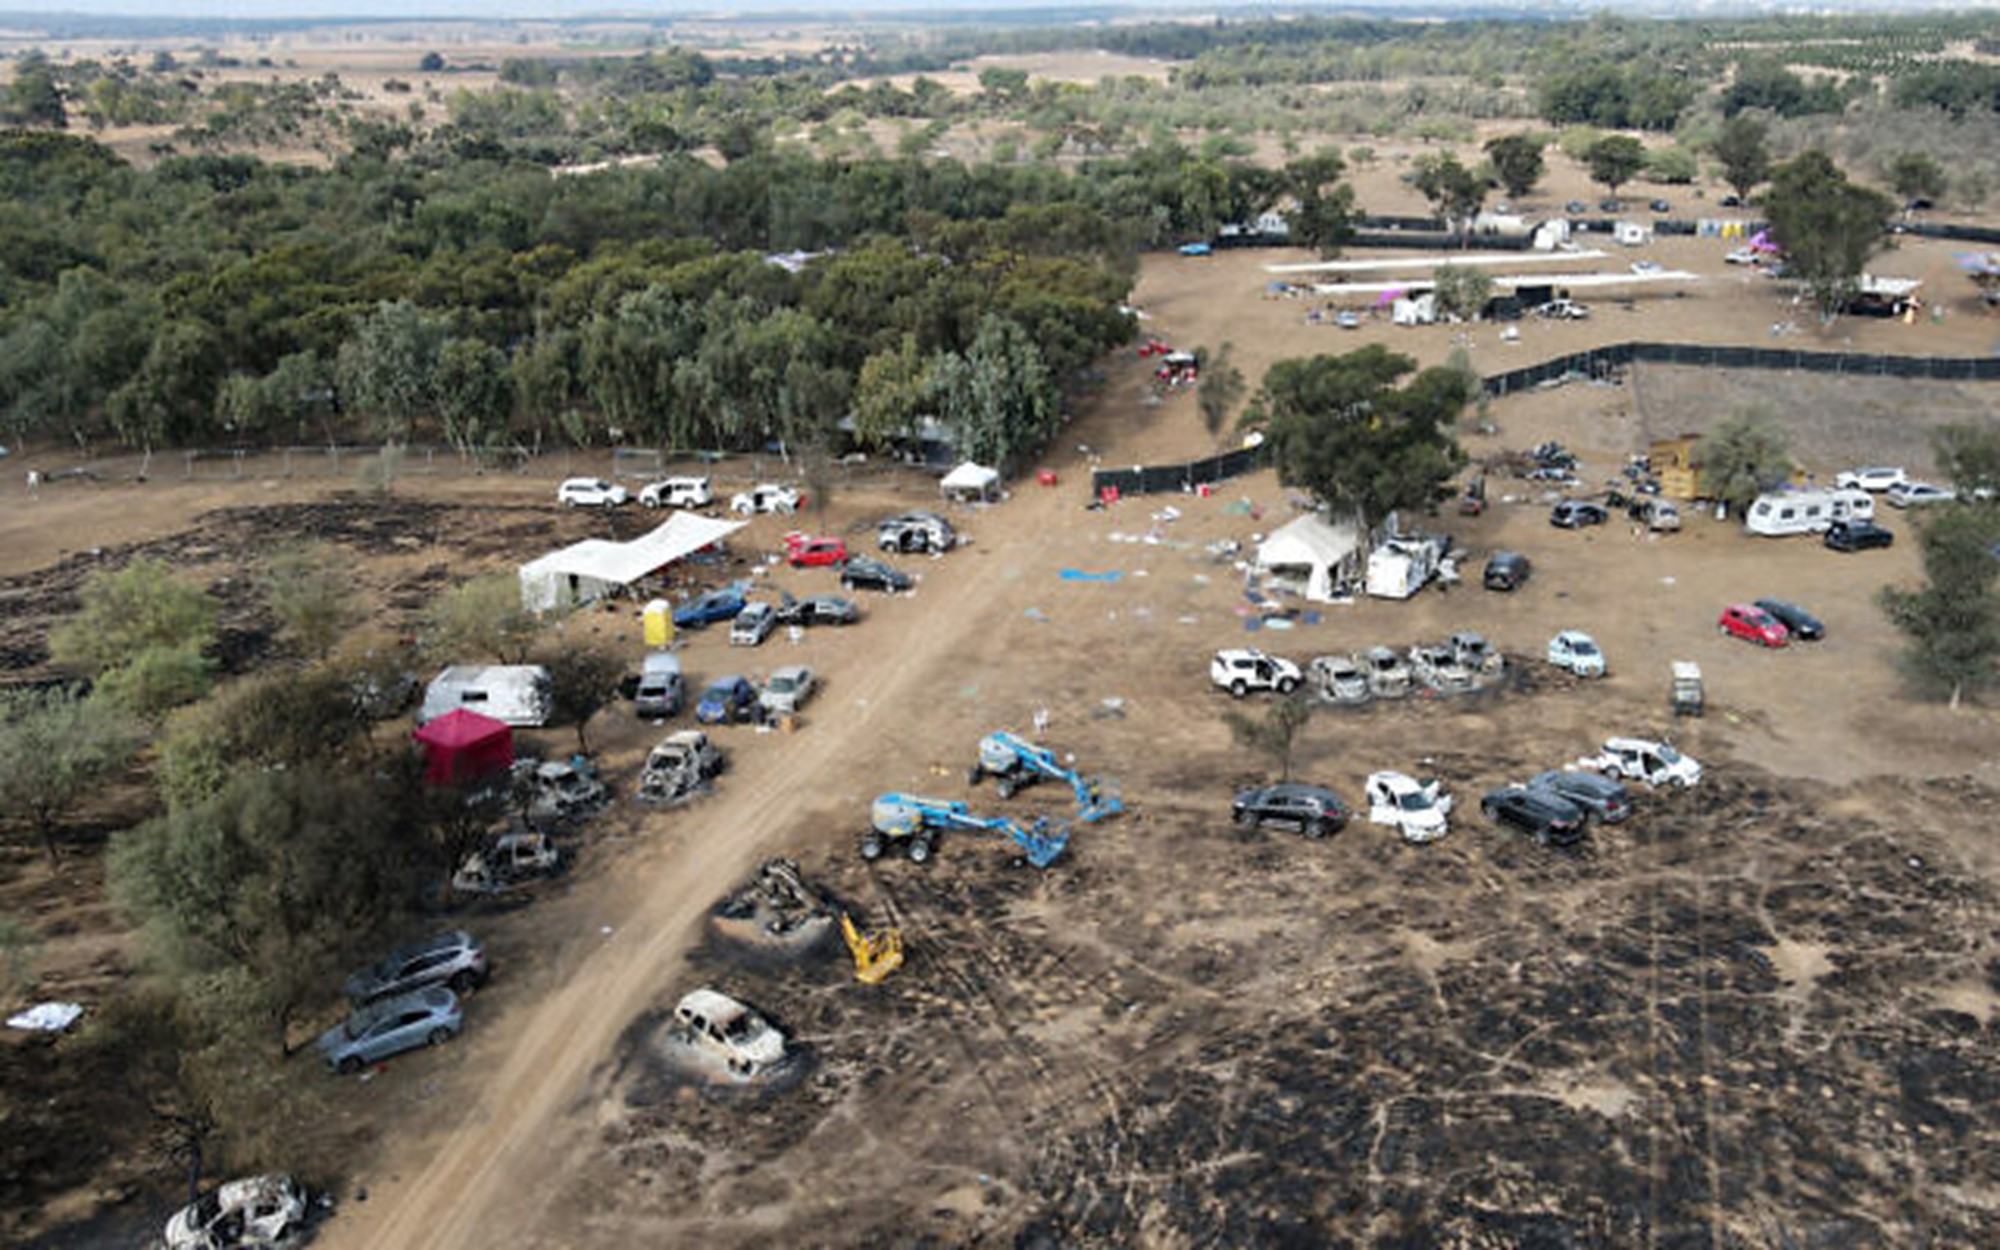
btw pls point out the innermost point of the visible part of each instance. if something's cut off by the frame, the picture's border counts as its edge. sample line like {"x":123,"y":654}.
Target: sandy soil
{"x":1763,"y":1009}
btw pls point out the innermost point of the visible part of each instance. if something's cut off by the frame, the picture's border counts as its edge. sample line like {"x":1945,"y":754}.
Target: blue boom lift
{"x":1019,"y":763}
{"x":917,"y":822}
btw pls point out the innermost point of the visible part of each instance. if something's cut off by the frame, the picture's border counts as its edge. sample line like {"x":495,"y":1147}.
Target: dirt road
{"x":489,"y":1176}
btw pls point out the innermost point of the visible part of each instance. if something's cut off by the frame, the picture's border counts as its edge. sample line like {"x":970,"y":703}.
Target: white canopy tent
{"x":595,"y":568}
{"x":1312,"y":555}
{"x":970,"y":479}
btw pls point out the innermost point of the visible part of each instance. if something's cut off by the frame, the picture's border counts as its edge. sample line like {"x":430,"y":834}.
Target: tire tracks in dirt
{"x":492,"y":1177}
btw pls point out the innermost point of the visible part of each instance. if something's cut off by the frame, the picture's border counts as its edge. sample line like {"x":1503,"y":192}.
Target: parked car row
{"x":410,"y":998}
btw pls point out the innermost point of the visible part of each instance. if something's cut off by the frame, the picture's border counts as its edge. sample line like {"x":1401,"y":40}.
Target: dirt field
{"x":1760,"y":1013}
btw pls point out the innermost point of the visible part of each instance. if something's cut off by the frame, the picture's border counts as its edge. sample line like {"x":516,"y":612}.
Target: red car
{"x":1753,"y":624}
{"x":804,"y":551}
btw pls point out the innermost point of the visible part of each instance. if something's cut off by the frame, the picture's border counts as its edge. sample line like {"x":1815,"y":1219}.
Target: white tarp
{"x":595,"y":568}
{"x":970,"y":479}
{"x":1312,"y":553}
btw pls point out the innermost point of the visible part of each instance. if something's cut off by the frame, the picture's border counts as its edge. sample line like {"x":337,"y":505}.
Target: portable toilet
{"x":658,"y":616}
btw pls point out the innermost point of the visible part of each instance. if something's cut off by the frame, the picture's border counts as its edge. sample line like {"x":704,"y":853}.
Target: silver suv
{"x":455,"y":959}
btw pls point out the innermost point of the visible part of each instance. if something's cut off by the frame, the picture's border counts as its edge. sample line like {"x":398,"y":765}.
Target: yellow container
{"x":659,"y":618}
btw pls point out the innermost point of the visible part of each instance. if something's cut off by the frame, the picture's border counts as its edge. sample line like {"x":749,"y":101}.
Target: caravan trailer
{"x":1807,"y":511}
{"x":516,"y":694}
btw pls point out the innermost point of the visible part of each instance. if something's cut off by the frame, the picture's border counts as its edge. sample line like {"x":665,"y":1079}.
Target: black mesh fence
{"x":1598,"y":364}
{"x":1603,"y":362}
{"x":1160,"y":479}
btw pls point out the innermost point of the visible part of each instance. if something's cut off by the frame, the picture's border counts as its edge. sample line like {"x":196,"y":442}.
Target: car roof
{"x":435,"y":942}
{"x":1298,"y":788}
{"x":711,"y":1004}
{"x":791,"y":670}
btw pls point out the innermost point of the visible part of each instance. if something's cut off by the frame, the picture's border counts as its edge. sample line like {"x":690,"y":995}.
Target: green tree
{"x":155,"y":680}
{"x":34,"y":98}
{"x":481,"y":617}
{"x":279,"y":720}
{"x":1671,"y":166}
{"x":309,"y":589}
{"x":271,"y":889}
{"x":55,"y":748}
{"x":1341,"y":428}
{"x":386,"y":369}
{"x":583,"y":681}
{"x":998,"y":398}
{"x":1323,"y":218}
{"x":1615,"y":160}
{"x":1953,"y":622}
{"x":1827,"y":226}
{"x":1745,"y":160}
{"x":1455,"y":191}
{"x":127,"y":611}
{"x":1915,"y":175}
{"x":1517,"y":162}
{"x":1462,"y":290}
{"x":1275,"y":733}
{"x":891,"y":395}
{"x":1220,"y":388}
{"x":1744,"y":456}
{"x":1969,"y":457}
{"x":474,"y":391}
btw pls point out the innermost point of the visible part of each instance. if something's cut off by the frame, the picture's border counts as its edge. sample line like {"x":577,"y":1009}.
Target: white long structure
{"x":595,"y":568}
{"x":1433,"y":260}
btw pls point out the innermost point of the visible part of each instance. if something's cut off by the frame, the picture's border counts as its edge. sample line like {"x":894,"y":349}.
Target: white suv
{"x":1878,"y":478}
{"x":766,"y":497}
{"x":590,"y":492}
{"x":1655,"y":763}
{"x":1240,"y":671}
{"x":678,"y":492}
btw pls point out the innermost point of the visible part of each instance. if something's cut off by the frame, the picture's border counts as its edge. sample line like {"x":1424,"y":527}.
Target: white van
{"x":660,"y":689}
{"x":1807,"y":511}
{"x":517,"y":694}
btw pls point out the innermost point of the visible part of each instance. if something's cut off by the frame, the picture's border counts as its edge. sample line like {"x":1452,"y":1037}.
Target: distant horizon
{"x":266,"y":12}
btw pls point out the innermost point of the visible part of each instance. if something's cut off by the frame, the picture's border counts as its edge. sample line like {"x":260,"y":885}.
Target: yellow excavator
{"x":876,"y":954}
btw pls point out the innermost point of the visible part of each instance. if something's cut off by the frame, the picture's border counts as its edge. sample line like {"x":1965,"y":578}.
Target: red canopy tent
{"x":463,"y":746}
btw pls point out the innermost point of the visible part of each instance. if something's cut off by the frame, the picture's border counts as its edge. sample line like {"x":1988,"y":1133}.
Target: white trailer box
{"x":516,"y":694}
{"x":1400,"y":567}
{"x":1784,"y":512}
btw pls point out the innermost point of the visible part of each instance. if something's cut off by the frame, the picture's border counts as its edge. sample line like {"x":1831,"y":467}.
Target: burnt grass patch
{"x":1724,"y":1027}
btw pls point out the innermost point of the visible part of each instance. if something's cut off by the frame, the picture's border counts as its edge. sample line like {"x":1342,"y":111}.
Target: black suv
{"x":1802,"y":625}
{"x":1552,"y":819}
{"x":867,"y":571}
{"x":1857,"y":536}
{"x":1506,"y":570}
{"x":1314,"y":811}
{"x":1575,"y":514}
{"x":1598,"y":795}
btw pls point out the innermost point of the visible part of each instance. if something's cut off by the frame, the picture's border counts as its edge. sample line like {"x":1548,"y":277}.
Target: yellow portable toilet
{"x":659,"y":618}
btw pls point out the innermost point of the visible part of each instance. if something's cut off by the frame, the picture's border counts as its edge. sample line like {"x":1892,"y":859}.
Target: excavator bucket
{"x":876,"y":955}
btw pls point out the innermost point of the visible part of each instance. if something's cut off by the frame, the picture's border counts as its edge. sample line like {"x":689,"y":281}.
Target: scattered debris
{"x":46,"y":1017}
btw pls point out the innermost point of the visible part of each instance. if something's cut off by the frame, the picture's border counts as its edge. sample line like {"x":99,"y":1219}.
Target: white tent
{"x":971,"y":479}
{"x":595,"y":568}
{"x":1312,"y":555}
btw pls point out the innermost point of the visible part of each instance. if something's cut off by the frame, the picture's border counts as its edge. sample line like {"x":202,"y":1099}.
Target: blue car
{"x":389,"y":1026}
{"x":727,"y":699}
{"x":1195,"y":249}
{"x":706,"y":609}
